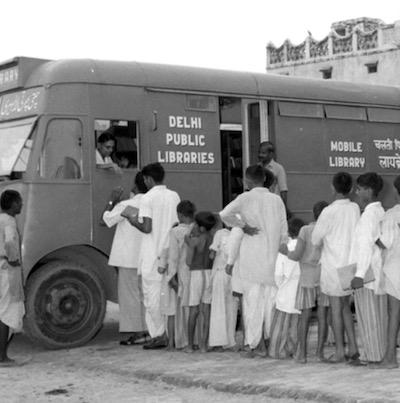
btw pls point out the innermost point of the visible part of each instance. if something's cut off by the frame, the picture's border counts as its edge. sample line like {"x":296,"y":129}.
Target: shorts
{"x":200,"y":287}
{"x":309,"y":297}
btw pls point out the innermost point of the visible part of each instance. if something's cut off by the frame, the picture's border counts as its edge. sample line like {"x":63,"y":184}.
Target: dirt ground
{"x":78,"y":375}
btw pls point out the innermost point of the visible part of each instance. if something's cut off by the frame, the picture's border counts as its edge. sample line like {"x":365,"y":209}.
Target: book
{"x":130,"y":211}
{"x":347,"y":273}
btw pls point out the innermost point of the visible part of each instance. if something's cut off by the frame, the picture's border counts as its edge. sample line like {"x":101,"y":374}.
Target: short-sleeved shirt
{"x":335,"y":231}
{"x":280,"y":184}
{"x":159,"y":204}
{"x":310,"y":269}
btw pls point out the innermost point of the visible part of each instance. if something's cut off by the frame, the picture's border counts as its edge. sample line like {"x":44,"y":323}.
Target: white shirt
{"x":287,"y":276}
{"x":390,"y":237}
{"x":335,"y":230}
{"x":220,"y":246}
{"x":264,"y":210}
{"x":364,"y":252}
{"x":127,"y":239}
{"x":159,"y":204}
{"x":280,"y":177}
{"x":101,"y":161}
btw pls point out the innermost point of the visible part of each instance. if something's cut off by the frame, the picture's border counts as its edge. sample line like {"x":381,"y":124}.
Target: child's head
{"x":254,"y":175}
{"x":269,"y":178}
{"x":369,"y":186}
{"x":139,"y":185}
{"x":205,"y":220}
{"x":294,"y":226}
{"x":342,"y":183}
{"x":318,"y":207}
{"x":185,"y":210}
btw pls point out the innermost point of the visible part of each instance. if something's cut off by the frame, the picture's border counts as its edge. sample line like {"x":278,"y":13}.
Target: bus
{"x":204,"y":126}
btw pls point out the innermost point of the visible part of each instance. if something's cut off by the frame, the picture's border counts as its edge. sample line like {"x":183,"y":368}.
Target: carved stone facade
{"x":362,"y":49}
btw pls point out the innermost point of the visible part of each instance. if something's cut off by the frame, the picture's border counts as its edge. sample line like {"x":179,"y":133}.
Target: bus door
{"x":58,"y":207}
{"x":243,"y":124}
{"x":121,"y":173}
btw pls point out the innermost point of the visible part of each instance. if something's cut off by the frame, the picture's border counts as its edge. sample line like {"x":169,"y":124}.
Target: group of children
{"x":341,"y":255}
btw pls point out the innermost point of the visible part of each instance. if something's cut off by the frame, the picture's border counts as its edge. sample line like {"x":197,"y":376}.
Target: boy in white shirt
{"x":390,"y":242}
{"x":157,"y":215}
{"x":263,"y":215}
{"x":370,"y":298}
{"x":284,"y":323}
{"x":334,"y":232}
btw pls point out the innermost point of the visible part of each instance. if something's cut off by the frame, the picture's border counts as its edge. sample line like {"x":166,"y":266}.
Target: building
{"x":358,"y":50}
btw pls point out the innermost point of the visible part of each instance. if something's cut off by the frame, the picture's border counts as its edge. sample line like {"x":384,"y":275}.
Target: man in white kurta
{"x":370,"y":298}
{"x":334,"y":232}
{"x":390,"y":240}
{"x":157,"y":215}
{"x":125,"y":255}
{"x":265,"y":211}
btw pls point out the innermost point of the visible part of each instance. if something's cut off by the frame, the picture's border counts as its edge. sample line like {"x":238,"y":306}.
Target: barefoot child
{"x":308,"y":291}
{"x":223,"y":309}
{"x":11,"y":293}
{"x":198,"y":243}
{"x":284,"y":323}
{"x":334,"y":232}
{"x":176,"y":281}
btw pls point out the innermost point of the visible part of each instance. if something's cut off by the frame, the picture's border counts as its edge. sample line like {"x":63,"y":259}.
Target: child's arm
{"x":298,"y":252}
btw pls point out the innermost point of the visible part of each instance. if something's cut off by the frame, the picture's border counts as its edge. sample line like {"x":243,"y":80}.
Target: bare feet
{"x":248,"y":354}
{"x":188,"y":349}
{"x":7,"y":362}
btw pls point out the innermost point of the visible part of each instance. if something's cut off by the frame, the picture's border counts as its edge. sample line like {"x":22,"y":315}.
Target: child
{"x":390,"y":241}
{"x":334,"y":232}
{"x":198,"y":243}
{"x":308,"y":291}
{"x":178,"y":278}
{"x":223,"y":309}
{"x":284,"y":323}
{"x":370,"y":299}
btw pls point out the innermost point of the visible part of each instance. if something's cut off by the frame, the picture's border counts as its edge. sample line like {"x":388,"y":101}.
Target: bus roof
{"x":193,"y":79}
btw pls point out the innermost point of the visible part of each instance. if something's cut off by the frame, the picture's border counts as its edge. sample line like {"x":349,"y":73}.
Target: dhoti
{"x":131,"y":308}
{"x":155,"y":321}
{"x":372,"y":320}
{"x":258,"y":305}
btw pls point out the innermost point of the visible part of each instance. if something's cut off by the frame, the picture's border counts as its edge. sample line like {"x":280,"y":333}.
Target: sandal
{"x":132,"y":340}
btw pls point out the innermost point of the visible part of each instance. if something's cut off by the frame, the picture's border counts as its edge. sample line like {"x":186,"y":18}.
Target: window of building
{"x":61,"y":156}
{"x":125,"y":152}
{"x":326,"y":73}
{"x":372,"y":67}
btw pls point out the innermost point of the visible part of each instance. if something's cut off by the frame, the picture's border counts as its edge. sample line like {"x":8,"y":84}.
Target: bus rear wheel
{"x":65,"y":305}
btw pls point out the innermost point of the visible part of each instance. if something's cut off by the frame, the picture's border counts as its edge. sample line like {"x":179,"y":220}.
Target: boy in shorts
{"x":198,"y":243}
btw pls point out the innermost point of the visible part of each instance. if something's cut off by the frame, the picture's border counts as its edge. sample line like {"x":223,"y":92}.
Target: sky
{"x":222,"y":34}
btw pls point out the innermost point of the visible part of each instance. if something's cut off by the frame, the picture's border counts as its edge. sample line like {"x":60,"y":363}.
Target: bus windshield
{"x":15,"y":145}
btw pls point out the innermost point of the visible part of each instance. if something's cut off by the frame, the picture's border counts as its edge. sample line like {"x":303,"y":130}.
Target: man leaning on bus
{"x":265,"y":157}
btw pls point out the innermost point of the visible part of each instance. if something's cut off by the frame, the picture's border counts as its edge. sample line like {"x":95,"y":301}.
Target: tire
{"x":65,"y":305}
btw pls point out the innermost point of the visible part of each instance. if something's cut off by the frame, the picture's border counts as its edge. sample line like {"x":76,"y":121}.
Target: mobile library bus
{"x":203,"y":125}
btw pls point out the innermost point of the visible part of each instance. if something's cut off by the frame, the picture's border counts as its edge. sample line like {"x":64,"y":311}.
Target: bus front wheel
{"x":65,"y":304}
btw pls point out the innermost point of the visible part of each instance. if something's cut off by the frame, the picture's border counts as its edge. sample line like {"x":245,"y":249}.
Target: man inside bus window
{"x":105,"y":147}
{"x":265,"y":156}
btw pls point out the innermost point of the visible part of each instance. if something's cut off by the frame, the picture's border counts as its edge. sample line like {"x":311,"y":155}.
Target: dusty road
{"x":77,"y":375}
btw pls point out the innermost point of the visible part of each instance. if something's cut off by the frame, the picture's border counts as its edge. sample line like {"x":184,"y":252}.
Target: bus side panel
{"x":300,"y":145}
{"x":201,"y":188}
{"x":185,"y":139}
{"x":48,"y":206}
{"x":384,"y":146}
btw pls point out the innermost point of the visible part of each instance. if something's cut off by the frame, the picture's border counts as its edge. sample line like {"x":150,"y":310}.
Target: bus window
{"x":125,"y":153}
{"x":62,"y":151}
